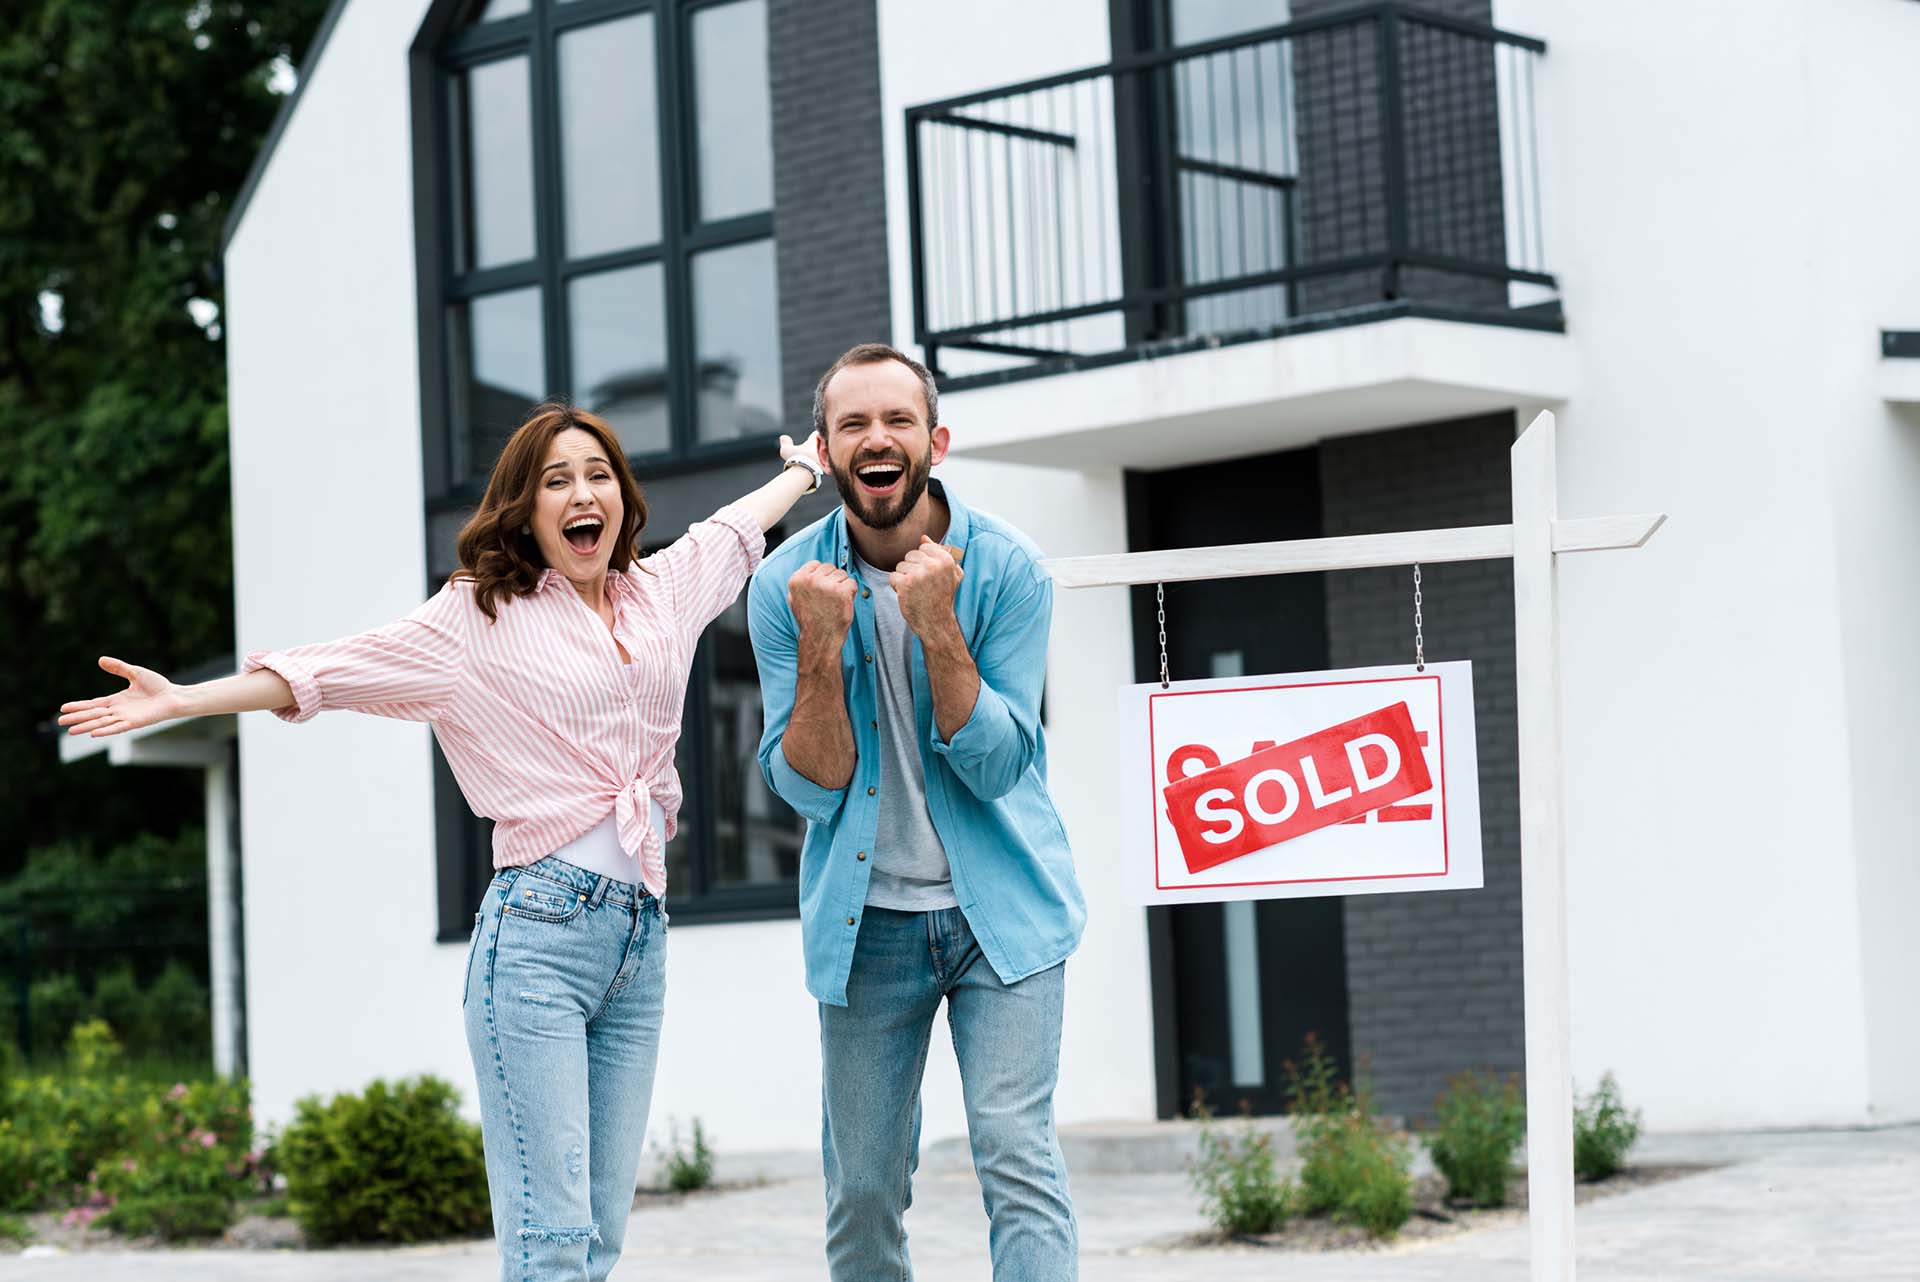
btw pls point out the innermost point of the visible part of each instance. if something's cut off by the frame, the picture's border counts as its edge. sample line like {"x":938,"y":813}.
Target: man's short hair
{"x":873,"y":354}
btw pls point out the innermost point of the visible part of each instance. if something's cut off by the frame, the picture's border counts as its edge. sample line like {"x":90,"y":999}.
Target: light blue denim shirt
{"x":986,"y":787}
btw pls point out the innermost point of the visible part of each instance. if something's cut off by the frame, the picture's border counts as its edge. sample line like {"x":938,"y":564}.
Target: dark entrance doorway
{"x":1237,"y":987}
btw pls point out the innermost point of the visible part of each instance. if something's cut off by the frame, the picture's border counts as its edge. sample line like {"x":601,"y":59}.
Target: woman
{"x":552,"y":667}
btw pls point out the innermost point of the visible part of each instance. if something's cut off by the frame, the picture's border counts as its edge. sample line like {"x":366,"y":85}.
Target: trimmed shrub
{"x":1240,"y":1191}
{"x":395,"y":1163}
{"x":1603,"y":1131}
{"x":54,"y":1005}
{"x":173,"y":1218}
{"x":179,"y":1014}
{"x":1478,"y":1125}
{"x":1353,"y":1167}
{"x":689,"y":1166}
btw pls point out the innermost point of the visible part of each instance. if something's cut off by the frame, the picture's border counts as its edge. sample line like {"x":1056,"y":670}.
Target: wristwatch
{"x":819,"y":473}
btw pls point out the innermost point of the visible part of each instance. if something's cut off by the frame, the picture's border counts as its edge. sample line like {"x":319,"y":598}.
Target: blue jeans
{"x":565,"y":986}
{"x":874,"y":1054}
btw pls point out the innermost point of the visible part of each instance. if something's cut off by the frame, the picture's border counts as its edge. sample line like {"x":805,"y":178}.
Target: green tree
{"x":126,"y":130}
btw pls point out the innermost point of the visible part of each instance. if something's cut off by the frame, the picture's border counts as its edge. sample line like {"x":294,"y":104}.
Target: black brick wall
{"x":830,"y":213}
{"x":1433,"y":979}
{"x":1452,"y":145}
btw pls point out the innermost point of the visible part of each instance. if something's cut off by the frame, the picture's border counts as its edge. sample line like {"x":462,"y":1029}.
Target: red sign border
{"x":1153,"y":790}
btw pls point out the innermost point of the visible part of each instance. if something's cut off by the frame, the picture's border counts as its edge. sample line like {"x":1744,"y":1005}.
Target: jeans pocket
{"x":539,"y":898}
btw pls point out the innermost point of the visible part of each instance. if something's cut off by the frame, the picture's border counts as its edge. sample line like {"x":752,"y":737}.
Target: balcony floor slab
{"x":1196,"y":406}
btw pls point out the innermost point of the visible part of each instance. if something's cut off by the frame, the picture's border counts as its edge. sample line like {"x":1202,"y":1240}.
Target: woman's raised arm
{"x":150,"y":699}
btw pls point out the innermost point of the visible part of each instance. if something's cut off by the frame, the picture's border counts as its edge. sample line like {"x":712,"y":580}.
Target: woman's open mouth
{"x":582,"y":534}
{"x":881,"y":477}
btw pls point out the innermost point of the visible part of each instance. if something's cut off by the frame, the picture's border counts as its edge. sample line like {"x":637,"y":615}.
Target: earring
{"x":526,"y":529}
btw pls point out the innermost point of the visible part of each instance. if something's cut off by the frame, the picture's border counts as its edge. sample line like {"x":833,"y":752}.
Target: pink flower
{"x":129,"y":1165}
{"x":179,"y":1091}
{"x":207,"y":1138}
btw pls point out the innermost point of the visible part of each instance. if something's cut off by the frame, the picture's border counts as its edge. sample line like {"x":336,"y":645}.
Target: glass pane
{"x":493,"y":165}
{"x":619,"y":338}
{"x":489,"y":10}
{"x":498,"y":369}
{"x":732,"y":110}
{"x":756,"y":837}
{"x":737,"y":342}
{"x":609,"y":136}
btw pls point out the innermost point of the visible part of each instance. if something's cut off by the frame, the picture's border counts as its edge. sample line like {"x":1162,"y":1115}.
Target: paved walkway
{"x":1789,"y":1207}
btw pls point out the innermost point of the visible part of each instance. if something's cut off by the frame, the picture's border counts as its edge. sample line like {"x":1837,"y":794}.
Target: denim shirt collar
{"x":959,"y":524}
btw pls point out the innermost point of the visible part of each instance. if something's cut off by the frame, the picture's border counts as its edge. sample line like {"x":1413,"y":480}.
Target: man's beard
{"x":884,"y":514}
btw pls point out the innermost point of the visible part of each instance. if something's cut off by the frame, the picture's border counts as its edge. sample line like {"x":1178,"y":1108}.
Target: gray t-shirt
{"x":910,"y":872}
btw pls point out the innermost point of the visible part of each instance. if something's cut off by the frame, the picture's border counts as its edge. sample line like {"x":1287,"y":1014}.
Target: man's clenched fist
{"x":821,"y":597}
{"x":925,"y":581}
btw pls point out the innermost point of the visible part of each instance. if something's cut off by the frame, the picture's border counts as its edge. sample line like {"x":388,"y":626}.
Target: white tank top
{"x":598,"y":848}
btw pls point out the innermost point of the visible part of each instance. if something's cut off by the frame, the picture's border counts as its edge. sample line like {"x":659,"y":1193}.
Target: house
{"x":1192,"y":272}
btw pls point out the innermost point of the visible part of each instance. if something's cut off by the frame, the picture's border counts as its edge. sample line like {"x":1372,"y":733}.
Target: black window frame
{"x":442,"y":49}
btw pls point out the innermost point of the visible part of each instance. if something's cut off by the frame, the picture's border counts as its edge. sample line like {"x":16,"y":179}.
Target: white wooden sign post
{"x":1534,"y":541}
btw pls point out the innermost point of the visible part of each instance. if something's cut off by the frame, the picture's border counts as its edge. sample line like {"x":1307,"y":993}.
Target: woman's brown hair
{"x":494,"y":548}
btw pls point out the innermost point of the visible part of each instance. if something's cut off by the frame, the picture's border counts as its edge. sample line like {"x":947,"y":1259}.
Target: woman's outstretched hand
{"x":807,"y":449}
{"x":148,"y":698}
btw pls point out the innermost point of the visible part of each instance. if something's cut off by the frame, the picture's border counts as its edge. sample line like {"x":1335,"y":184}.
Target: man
{"x":902,"y":697}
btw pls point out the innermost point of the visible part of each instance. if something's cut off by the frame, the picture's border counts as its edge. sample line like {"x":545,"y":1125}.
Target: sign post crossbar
{"x":1534,"y":542}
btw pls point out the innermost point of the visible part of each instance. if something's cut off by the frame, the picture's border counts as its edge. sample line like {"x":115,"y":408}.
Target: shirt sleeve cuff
{"x":977,"y":734}
{"x":306,"y":691}
{"x":753,"y":540}
{"x":803,"y":794}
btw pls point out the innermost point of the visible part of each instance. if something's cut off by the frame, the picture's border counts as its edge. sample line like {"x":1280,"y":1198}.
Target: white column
{"x":1543,"y":888}
{"x":223,"y":934}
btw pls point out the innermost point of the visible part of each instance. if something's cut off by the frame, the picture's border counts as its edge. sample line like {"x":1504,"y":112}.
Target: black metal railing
{"x":1377,"y":154}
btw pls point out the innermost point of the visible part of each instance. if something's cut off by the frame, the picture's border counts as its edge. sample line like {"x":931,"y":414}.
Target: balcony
{"x":1375,"y":165}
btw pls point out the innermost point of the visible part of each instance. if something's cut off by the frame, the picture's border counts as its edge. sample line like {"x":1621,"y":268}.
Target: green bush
{"x":174,"y":1217}
{"x":180,"y":1011}
{"x":94,"y":1136}
{"x":1478,"y":1125}
{"x":15,"y":1230}
{"x":1235,"y":1177}
{"x":1353,"y":1168}
{"x":117,"y":999}
{"x":1603,"y":1131}
{"x":689,"y":1166}
{"x":54,"y":1005}
{"x":396,"y":1163}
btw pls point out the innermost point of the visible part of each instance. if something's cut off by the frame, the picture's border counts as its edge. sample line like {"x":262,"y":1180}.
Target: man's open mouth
{"x":881,"y":476}
{"x":583,"y":534}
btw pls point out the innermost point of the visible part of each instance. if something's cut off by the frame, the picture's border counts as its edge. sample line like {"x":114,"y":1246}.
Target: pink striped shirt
{"x":544,"y":728}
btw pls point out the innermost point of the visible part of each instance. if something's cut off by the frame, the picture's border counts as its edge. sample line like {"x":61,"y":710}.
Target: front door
{"x":1237,"y":987}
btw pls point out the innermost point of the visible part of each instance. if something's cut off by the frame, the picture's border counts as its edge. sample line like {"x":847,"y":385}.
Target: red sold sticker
{"x":1288,"y":790}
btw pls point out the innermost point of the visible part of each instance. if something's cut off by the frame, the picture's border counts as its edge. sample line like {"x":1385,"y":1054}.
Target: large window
{"x":597,"y":194}
{"x":608,"y":176}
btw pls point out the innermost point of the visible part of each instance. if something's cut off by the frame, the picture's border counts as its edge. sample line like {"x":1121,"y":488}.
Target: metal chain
{"x":1160,"y":598}
{"x":1419,"y":637}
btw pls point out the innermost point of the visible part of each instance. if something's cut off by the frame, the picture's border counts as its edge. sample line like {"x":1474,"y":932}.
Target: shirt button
{"x":873,"y":725}
{"x":869,"y":792}
{"x":862,"y":856}
{"x":869,"y":658}
{"x":864,"y":593}
{"x":849,"y":921}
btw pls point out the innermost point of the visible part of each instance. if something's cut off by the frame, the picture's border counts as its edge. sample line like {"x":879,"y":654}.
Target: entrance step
{"x":1122,"y":1148}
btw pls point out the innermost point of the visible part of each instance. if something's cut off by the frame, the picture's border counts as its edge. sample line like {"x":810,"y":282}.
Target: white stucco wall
{"x":344,"y":981}
{"x":1703,"y":184}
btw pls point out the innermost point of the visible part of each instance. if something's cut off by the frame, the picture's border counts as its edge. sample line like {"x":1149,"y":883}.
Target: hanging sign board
{"x":1361,"y":781}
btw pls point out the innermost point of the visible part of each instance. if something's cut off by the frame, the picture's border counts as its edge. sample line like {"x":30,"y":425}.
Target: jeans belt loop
{"x":601,"y":884}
